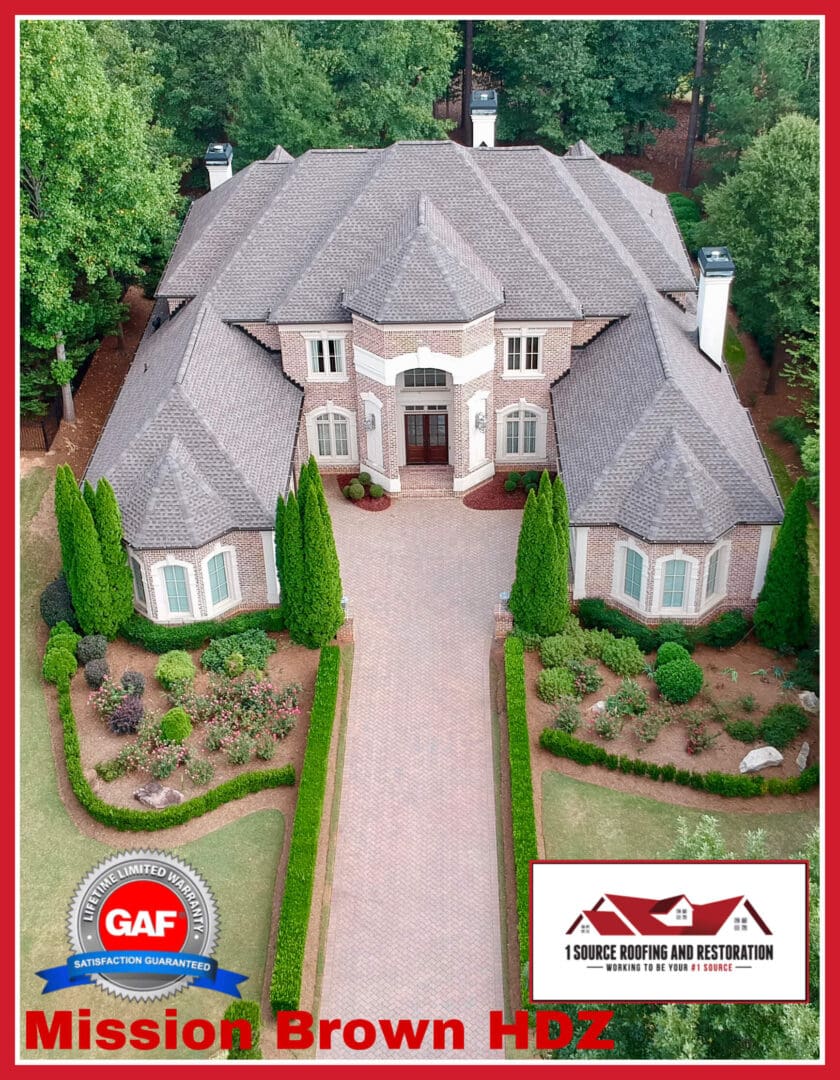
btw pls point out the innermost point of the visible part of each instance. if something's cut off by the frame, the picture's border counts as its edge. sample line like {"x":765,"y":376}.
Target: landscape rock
{"x":809,"y":701}
{"x":155,"y":795}
{"x":598,"y":707}
{"x":760,"y":758}
{"x":802,"y":756}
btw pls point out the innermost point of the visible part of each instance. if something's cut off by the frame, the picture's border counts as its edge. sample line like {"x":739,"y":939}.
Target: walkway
{"x":415,"y":923}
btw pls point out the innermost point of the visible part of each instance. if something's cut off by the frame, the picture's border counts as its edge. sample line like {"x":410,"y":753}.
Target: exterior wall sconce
{"x":344,"y":604}
{"x":370,"y":422}
{"x":480,"y":422}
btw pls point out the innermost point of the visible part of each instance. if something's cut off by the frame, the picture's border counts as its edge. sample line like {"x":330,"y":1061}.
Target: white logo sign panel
{"x":669,"y":931}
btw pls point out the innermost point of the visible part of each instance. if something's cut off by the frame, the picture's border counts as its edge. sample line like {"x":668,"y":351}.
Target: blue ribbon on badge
{"x":80,"y":968}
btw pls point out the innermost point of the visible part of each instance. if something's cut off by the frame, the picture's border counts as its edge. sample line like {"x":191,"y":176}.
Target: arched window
{"x":676,"y":584}
{"x":221,"y":580}
{"x":332,"y":435}
{"x":630,"y":571}
{"x":175,"y":591}
{"x":521,"y":432}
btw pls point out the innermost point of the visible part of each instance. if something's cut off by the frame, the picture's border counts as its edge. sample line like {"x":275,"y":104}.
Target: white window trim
{"x":142,"y":604}
{"x":352,"y":439}
{"x":619,"y":563}
{"x":232,"y":575}
{"x":162,"y":597}
{"x":326,"y":376}
{"x":522,"y":332}
{"x":501,"y":432}
{"x":725,"y":549}
{"x":690,"y":597}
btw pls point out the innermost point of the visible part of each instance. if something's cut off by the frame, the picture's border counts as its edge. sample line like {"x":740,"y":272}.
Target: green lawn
{"x":734,"y":352}
{"x":586,"y":821}
{"x":239,"y":861}
{"x":784,"y":482}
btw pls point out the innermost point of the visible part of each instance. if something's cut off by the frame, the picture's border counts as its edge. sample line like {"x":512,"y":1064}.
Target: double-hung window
{"x":523,"y":354}
{"x":521,"y":433}
{"x":177,"y":589}
{"x":217,"y":573}
{"x":333,"y":439}
{"x":633,"y":575}
{"x":674,"y":583}
{"x":326,"y":357}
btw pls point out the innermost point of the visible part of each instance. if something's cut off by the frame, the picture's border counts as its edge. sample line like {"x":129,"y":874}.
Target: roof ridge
{"x":528,"y":240}
{"x":658,"y":338}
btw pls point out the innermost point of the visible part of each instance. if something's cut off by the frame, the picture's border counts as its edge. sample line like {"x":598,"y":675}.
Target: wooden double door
{"x":426,"y":438}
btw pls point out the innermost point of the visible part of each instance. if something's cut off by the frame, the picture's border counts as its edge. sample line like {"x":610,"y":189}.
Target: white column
{"x":581,"y":539}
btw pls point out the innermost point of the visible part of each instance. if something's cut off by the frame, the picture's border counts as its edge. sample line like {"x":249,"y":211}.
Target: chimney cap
{"x":483,"y":101}
{"x":716,"y":262}
{"x":218,"y":153}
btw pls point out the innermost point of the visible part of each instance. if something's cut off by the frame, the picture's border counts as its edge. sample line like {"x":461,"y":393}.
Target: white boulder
{"x":760,"y":758}
{"x":598,"y":708}
{"x":809,"y":701}
{"x":802,"y":756}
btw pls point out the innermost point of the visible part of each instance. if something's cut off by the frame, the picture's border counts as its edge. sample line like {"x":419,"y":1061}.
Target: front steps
{"x":426,"y":482}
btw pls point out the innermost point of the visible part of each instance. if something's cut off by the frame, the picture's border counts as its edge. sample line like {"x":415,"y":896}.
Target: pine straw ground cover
{"x":289,"y":664}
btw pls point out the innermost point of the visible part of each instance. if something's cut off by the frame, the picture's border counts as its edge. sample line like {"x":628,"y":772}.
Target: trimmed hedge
{"x":160,"y":639}
{"x":118,"y":817}
{"x":716,"y":783}
{"x":595,"y":615}
{"x":521,"y":792}
{"x":250,"y":1011}
{"x":721,"y":633}
{"x":303,"y":849}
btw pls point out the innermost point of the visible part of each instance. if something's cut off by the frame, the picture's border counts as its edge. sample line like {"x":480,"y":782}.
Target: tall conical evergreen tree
{"x":539,"y":597}
{"x":108,"y":521}
{"x":782,"y":616}
{"x":88,"y":581}
{"x":322,"y":585}
{"x":293,"y":571}
{"x":332,"y":551}
{"x":303,"y":484}
{"x":560,"y":505}
{"x":65,"y":486}
{"x":89,"y":495}
{"x":544,"y":488}
{"x":279,"y":517}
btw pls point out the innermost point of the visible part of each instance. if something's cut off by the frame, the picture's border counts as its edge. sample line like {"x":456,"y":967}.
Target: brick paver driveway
{"x":414,"y":924}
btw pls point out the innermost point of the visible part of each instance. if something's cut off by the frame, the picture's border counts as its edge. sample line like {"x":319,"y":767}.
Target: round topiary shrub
{"x":59,"y":664}
{"x":376,"y":491}
{"x":679,"y":681}
{"x":134,"y":683}
{"x":65,"y":640}
{"x":175,"y":726}
{"x":56,"y":605}
{"x":623,"y":656}
{"x":669,"y":651}
{"x":782,"y":724}
{"x":127,"y":716}
{"x":531,"y":478}
{"x":516,"y":478}
{"x":364,"y":478}
{"x":96,"y":672}
{"x":568,"y":715}
{"x":356,"y":491}
{"x":175,"y":669}
{"x":91,"y":647}
{"x":554,"y":683}
{"x":511,"y":485}
{"x":346,"y":490}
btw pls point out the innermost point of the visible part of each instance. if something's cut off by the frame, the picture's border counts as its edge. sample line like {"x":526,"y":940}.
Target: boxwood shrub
{"x":160,"y":639}
{"x":96,"y":672}
{"x":521,"y":792}
{"x":303,"y":849}
{"x":554,"y":683}
{"x":56,"y":605}
{"x":175,"y":725}
{"x":623,"y":656}
{"x":782,"y":724}
{"x":595,"y":615}
{"x":254,"y":646}
{"x":679,"y":681}
{"x":670,"y":650}
{"x":250,"y":1012}
{"x":677,"y":633}
{"x":119,"y":817}
{"x":726,"y":630}
{"x":59,"y":666}
{"x":742,"y":730}
{"x":717,"y":783}
{"x":175,"y":668}
{"x":91,"y":647}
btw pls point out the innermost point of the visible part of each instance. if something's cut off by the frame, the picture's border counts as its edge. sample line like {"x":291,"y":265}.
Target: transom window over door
{"x":674,"y":583}
{"x":333,"y":435}
{"x":633,"y":574}
{"x":424,"y":377}
{"x":521,"y":433}
{"x":177,"y":590}
{"x":326,"y":356}
{"x":523,"y":353}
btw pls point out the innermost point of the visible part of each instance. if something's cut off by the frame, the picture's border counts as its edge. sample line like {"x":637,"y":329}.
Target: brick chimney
{"x":483,"y":105}
{"x":716,"y":272}
{"x":219,"y":163}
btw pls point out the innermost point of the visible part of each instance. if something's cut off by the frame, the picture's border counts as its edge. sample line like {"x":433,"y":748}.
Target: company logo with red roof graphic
{"x":628,"y":916}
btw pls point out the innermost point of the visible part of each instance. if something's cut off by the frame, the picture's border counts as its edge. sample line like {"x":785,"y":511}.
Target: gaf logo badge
{"x":142,"y":925}
{"x":669,"y":931}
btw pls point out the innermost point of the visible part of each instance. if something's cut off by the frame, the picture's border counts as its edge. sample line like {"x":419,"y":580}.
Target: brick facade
{"x":586,"y":329}
{"x":247,"y":578}
{"x":604,"y":573}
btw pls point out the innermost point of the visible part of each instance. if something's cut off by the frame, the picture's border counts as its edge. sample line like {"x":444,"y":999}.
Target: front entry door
{"x":427,"y":438}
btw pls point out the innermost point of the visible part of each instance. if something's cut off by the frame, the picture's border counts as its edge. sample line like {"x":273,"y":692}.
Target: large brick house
{"x":432,"y":314}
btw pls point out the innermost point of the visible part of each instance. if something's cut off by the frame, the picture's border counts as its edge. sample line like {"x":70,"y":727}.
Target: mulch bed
{"x":491,"y":495}
{"x":367,"y":503}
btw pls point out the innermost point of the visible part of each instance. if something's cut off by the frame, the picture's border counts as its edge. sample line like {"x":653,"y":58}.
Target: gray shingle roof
{"x":652,"y":437}
{"x":564,"y":237}
{"x":189,"y":446}
{"x":425,"y":272}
